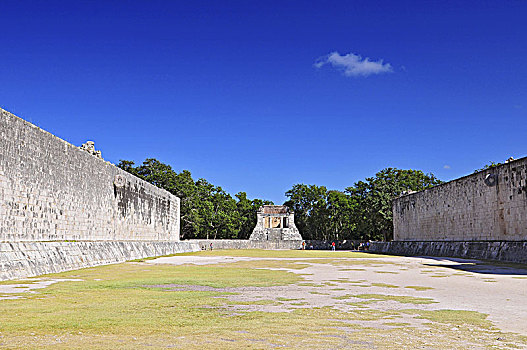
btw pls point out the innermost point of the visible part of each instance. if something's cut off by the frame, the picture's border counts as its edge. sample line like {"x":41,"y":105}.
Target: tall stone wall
{"x":51,"y":190}
{"x":63,"y":208}
{"x":490,"y":205}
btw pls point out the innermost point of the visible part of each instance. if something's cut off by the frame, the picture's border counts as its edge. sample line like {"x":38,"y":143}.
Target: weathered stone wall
{"x":490,"y":205}
{"x":26,"y":259}
{"x":291,"y":244}
{"x":262,"y":233}
{"x":51,"y":190}
{"x":326,"y":245}
{"x":63,"y":208}
{"x":245,"y":244}
{"x":502,"y":251}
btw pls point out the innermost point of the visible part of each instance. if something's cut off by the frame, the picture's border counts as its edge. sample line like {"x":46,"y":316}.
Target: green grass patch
{"x":266,"y":264}
{"x":392,"y":272}
{"x":419,"y":288}
{"x":252,"y":302}
{"x":287,"y":299}
{"x":384,"y":285}
{"x":137,"y":305}
{"x":310,"y":284}
{"x":259,"y":253}
{"x":453,"y":317}
{"x":398,"y":298}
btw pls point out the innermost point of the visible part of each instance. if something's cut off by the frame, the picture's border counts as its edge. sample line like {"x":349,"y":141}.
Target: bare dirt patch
{"x":464,"y":285}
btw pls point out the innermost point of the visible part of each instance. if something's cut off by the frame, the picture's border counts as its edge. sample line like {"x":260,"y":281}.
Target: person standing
{"x":333,"y":246}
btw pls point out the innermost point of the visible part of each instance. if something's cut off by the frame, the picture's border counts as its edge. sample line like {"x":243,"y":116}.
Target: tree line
{"x":207,"y":211}
{"x":362,"y":211}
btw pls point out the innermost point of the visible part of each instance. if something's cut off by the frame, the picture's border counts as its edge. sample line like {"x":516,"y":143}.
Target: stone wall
{"x":326,"y":245}
{"x":252,"y":244}
{"x":490,"y":205}
{"x":275,"y":222}
{"x":64,"y":208}
{"x":245,"y":244}
{"x":503,"y":251}
{"x":26,"y":259}
{"x":51,"y":190}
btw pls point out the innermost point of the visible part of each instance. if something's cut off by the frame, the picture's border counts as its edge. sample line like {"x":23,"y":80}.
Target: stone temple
{"x":275,"y":223}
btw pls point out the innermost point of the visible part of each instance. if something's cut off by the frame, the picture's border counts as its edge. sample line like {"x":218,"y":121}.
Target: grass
{"x":384,"y":285}
{"x":419,"y":288}
{"x":287,"y":299}
{"x":398,"y":298}
{"x":253,"y":302}
{"x":392,"y":272}
{"x":310,"y":284}
{"x":259,"y":253}
{"x":274,"y":264}
{"x":123,"y":306}
{"x":453,"y":317}
{"x":132,"y":305}
{"x":27,"y":282}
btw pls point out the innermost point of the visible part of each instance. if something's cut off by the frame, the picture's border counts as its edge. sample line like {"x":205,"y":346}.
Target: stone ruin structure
{"x":275,"y":223}
{"x":63,"y":207}
{"x":89,"y":147}
{"x":481,"y":216}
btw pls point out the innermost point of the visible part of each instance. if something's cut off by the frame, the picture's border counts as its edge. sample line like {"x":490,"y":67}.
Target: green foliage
{"x":374,"y":196}
{"x":488,"y":166}
{"x":207,"y":211}
{"x":362,"y":211}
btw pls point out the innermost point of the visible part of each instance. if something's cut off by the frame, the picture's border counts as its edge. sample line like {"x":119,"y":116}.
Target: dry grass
{"x":123,"y":307}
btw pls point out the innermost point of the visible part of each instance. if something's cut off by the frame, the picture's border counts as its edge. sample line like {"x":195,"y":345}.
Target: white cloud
{"x":446,"y":167}
{"x":354,"y":65}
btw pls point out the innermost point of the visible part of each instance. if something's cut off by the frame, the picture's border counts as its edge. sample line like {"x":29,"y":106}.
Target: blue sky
{"x":258,"y":96}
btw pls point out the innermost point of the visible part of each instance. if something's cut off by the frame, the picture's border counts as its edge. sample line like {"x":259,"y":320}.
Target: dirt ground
{"x":256,"y":299}
{"x":500,"y":291}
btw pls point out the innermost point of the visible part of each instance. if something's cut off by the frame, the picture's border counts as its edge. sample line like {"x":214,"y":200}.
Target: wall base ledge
{"x":28,"y":259}
{"x":508,"y":251}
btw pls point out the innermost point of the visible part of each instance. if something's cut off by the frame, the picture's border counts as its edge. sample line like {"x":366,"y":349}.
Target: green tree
{"x":339,"y":209}
{"x":374,"y":196}
{"x":309,"y":202}
{"x":247,"y":210}
{"x":206,"y":211}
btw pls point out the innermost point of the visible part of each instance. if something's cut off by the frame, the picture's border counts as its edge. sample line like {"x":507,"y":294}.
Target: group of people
{"x":204,"y":247}
{"x":364,"y":245}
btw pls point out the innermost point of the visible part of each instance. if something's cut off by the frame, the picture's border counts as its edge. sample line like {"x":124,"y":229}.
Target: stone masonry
{"x":51,"y":190}
{"x":275,"y":223}
{"x":490,"y":205}
{"x":64,"y":207}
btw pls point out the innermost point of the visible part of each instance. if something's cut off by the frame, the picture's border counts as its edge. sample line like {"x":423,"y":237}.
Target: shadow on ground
{"x":478,"y":266}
